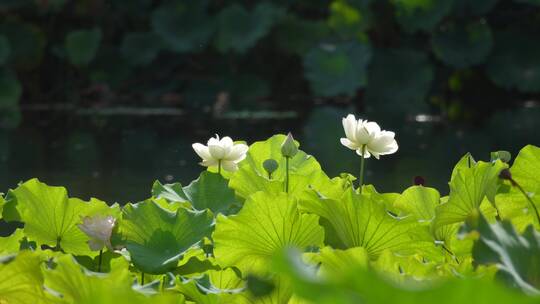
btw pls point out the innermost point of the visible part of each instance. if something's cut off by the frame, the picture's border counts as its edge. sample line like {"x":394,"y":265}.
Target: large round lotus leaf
{"x":4,"y":49}
{"x":141,"y":48}
{"x":184,"y":27}
{"x":157,"y":238}
{"x":240,"y":29}
{"x":415,"y":15}
{"x":297,"y":35}
{"x":399,"y":80}
{"x":266,"y":224}
{"x":462,"y":45}
{"x":82,"y":45}
{"x":26,"y":43}
{"x":10,"y":89}
{"x":514,"y":63}
{"x":475,"y":8}
{"x":334,"y":69}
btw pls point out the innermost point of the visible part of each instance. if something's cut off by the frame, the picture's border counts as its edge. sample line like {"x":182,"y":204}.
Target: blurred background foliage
{"x":449,"y":76}
{"x":459,"y":58}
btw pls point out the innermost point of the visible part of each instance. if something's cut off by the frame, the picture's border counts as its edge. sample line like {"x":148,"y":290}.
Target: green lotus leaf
{"x":359,"y":221}
{"x":421,"y":15}
{"x":399,"y":80}
{"x":405,"y":269}
{"x":473,"y":8}
{"x":251,"y":176}
{"x":239,"y":29}
{"x":10,"y":90}
{"x":141,"y":48}
{"x":23,"y":280}
{"x":526,"y":167}
{"x":215,"y":286}
{"x":419,"y":201}
{"x":514,"y":63}
{"x":210,"y":191}
{"x":26,"y":42}
{"x":75,"y":284}
{"x":359,"y":285}
{"x":333,"y":261}
{"x":266,"y":224}
{"x":468,"y":189}
{"x":5,"y":49}
{"x":517,"y":256}
{"x":171,"y":192}
{"x":514,"y":207}
{"x":51,"y":218}
{"x":183,"y":26}
{"x":157,"y":238}
{"x":462,"y":44}
{"x":82,"y":46}
{"x":334,"y":69}
{"x":12,"y":243}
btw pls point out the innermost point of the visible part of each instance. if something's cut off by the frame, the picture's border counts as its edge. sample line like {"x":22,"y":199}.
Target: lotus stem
{"x":99,"y":260}
{"x":142,"y":278}
{"x":361,"y":176}
{"x":286,"y":174}
{"x":528,"y":199}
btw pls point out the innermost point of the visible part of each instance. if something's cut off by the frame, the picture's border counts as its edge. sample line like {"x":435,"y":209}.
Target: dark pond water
{"x":116,"y":156}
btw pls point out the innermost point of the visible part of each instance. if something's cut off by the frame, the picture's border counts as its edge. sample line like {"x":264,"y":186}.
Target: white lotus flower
{"x":221,"y":152}
{"x":99,"y":229}
{"x":368,"y":136}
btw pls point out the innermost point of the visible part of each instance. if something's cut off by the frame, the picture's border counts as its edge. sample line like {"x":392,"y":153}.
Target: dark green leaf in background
{"x":141,"y":48}
{"x":183,"y":26}
{"x":335,"y":69}
{"x":415,"y":15}
{"x":514,"y":63}
{"x":462,"y":45}
{"x":474,"y":8}
{"x":5,"y":49}
{"x":239,"y":29}
{"x":399,"y":80}
{"x":27,"y":43}
{"x":82,"y":46}
{"x":10,"y":89}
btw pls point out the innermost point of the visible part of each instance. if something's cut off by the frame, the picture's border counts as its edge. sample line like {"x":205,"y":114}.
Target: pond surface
{"x":116,"y":156}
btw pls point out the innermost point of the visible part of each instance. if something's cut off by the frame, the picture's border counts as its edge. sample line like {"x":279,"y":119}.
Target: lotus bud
{"x":505,"y":174}
{"x":289,"y":148}
{"x":270,"y":165}
{"x":504,"y":156}
{"x":419,"y":181}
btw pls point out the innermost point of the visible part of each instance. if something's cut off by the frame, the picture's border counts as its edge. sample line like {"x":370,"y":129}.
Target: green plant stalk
{"x":286,"y":174}
{"x":142,"y":278}
{"x":99,"y":260}
{"x":450,"y":252}
{"x":514,"y":183}
{"x":361,"y":176}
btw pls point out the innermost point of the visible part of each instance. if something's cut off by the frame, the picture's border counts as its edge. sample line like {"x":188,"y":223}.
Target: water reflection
{"x":117,"y":158}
